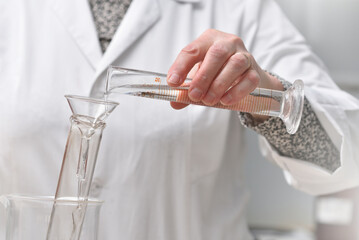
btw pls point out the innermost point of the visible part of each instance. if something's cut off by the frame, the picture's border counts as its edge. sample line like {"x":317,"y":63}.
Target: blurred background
{"x":277,"y":211}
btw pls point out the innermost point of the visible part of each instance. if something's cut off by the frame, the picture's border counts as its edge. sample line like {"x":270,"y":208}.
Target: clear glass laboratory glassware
{"x":287,"y":105}
{"x":78,"y":165}
{"x":27,"y":217}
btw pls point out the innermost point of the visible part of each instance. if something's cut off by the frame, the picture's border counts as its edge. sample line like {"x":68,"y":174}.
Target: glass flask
{"x":78,"y":165}
{"x":27,"y":218}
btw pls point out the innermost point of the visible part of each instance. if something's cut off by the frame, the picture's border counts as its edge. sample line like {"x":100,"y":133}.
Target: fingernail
{"x":209,"y":98}
{"x":226,"y":100}
{"x":195,"y":94}
{"x":174,"y":78}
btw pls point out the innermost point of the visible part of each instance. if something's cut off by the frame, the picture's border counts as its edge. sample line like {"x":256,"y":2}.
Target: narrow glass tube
{"x":78,"y":165}
{"x":287,"y":105}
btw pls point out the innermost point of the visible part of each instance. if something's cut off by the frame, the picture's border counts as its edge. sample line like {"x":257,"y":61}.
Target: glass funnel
{"x":87,"y":123}
{"x":27,"y":218}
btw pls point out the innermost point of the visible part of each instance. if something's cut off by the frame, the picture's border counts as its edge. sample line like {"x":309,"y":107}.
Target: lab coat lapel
{"x":139,"y":18}
{"x":77,"y":18}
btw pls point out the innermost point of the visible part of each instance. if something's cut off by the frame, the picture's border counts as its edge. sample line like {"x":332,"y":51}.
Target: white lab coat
{"x":164,"y":174}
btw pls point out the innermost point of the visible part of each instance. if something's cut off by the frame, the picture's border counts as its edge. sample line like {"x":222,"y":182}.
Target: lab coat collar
{"x":140,"y":16}
{"x":76,"y":16}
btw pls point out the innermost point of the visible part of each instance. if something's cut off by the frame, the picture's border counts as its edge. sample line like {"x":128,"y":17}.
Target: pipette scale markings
{"x":287,"y":105}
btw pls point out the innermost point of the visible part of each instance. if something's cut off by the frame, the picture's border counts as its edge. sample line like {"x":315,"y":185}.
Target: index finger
{"x":187,"y":58}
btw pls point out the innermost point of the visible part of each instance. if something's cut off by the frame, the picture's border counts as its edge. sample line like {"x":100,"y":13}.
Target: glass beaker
{"x":78,"y":165}
{"x":27,"y":218}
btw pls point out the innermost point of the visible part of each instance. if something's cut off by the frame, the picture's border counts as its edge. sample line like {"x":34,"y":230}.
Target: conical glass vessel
{"x":87,"y":123}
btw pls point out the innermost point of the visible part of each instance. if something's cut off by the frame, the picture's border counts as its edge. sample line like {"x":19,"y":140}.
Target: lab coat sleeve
{"x":278,"y":47}
{"x":318,"y":150}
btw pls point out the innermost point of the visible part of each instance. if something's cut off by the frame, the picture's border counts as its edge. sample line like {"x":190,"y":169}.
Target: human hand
{"x":222,"y":70}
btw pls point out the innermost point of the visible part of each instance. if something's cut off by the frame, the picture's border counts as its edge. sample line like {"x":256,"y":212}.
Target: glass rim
{"x":90,"y":201}
{"x":91,"y":100}
{"x":113,"y":68}
{"x":136,"y":70}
